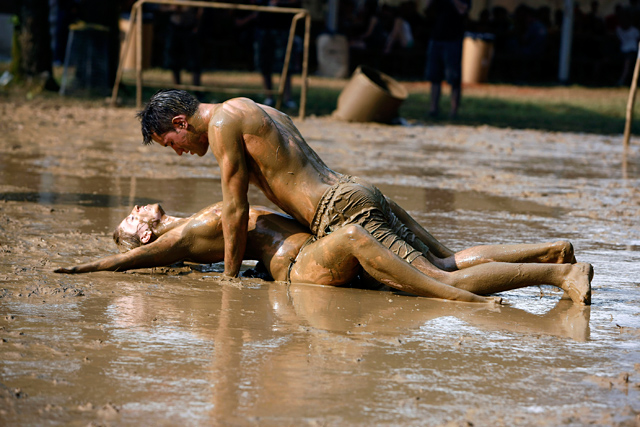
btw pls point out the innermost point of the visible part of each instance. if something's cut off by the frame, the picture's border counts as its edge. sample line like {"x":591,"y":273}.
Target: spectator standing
{"x":401,"y":36}
{"x":444,"y":53}
{"x":270,"y":46}
{"x":611,"y":20}
{"x":628,"y":36}
{"x":374,"y":38}
{"x":183,"y":43}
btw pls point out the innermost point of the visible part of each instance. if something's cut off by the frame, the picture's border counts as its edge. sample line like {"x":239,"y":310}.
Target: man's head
{"x":137,"y":228}
{"x":165,"y":105}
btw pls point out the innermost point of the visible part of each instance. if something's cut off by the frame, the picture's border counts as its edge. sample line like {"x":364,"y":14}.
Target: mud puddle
{"x":178,"y":346}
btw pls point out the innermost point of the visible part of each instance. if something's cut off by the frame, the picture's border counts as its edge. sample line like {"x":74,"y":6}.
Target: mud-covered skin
{"x":276,"y":240}
{"x":280,"y":243}
{"x":257,"y":144}
{"x":253,"y":144}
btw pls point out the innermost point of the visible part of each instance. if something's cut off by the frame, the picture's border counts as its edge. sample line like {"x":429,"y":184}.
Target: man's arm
{"x":227,"y":144}
{"x":163,"y":251}
{"x":434,"y":244}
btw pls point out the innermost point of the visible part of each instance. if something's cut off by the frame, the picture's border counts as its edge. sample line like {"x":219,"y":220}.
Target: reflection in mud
{"x":92,"y":200}
{"x":268,"y":350}
{"x":178,"y":346}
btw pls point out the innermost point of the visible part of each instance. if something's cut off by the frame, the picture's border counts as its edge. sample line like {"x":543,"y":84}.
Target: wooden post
{"x":136,"y":25}
{"x":629,"y":117}
{"x":305,"y":68}
{"x":287,"y":61}
{"x":139,"y":5}
{"x":125,"y":49}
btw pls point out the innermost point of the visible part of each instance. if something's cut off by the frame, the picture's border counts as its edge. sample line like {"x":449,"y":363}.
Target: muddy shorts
{"x":355,"y":201}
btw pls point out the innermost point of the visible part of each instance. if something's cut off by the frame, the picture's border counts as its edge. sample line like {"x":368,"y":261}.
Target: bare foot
{"x":578,"y":283}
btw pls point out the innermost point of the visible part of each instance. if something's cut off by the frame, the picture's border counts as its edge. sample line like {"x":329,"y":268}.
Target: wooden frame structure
{"x":629,"y":116}
{"x":136,"y":25}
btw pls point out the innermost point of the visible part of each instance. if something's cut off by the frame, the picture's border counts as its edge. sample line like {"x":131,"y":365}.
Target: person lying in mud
{"x":257,"y":144}
{"x":151,"y":238}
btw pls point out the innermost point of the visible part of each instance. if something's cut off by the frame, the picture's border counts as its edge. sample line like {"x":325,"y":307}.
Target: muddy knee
{"x":356,"y":233}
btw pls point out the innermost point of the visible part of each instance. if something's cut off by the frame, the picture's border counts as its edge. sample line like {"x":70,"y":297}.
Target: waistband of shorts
{"x":324,"y":202}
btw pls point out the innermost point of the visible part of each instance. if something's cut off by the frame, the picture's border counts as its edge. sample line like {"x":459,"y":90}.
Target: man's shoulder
{"x":239,"y":100}
{"x":238,"y":108}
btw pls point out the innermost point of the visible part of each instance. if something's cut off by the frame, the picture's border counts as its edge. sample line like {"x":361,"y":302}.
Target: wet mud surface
{"x":177,"y":346}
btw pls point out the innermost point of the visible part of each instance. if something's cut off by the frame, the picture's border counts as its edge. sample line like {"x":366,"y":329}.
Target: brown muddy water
{"x":177,"y":346}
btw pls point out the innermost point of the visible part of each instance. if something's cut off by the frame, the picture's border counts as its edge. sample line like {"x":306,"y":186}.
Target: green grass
{"x":565,"y":109}
{"x":559,"y":108}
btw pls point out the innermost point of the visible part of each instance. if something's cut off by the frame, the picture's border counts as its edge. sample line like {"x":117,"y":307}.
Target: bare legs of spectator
{"x":267,"y":84}
{"x":455,"y":101}
{"x":436,"y":91}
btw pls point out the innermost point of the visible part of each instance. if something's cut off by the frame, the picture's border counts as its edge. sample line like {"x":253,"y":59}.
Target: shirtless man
{"x":258,"y":144}
{"x":289,"y":253}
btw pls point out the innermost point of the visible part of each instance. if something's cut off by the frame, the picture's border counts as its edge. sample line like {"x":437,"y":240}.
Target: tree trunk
{"x":34,"y":40}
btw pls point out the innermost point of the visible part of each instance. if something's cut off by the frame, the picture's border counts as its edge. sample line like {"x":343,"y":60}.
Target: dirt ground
{"x":181,"y":346}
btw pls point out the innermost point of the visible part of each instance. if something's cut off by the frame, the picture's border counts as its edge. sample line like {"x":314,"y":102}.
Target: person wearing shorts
{"x":444,"y":52}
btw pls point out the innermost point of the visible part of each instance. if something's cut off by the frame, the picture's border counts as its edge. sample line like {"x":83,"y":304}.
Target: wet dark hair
{"x":126,"y":241}
{"x":163,"y":106}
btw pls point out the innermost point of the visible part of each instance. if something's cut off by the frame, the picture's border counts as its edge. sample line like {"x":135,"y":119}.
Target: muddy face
{"x":141,"y":222}
{"x":183,"y":140}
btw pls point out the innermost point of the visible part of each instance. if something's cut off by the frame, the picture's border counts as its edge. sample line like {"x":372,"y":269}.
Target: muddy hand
{"x":71,"y":270}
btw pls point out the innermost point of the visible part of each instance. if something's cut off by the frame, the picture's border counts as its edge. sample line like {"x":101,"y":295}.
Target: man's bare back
{"x":254,"y":144}
{"x":278,"y":159}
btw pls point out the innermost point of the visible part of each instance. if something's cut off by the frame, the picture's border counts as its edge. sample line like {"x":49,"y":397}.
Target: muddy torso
{"x":272,"y":238}
{"x":279,"y":161}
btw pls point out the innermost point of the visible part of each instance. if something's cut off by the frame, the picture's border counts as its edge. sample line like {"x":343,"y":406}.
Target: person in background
{"x":401,"y":35}
{"x":183,"y":44}
{"x":270,"y":45}
{"x":628,"y":36}
{"x":444,"y":53}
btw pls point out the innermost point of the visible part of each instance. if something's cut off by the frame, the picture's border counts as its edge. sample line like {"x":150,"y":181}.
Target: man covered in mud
{"x":257,"y":144}
{"x":148,"y":237}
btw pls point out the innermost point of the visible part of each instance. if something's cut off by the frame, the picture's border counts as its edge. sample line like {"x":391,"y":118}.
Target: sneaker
{"x":290,"y":104}
{"x":269,"y":102}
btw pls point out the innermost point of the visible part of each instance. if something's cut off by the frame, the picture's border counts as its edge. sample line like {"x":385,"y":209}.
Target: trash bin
{"x":477,"y":53}
{"x":129,"y":62}
{"x":370,"y":96}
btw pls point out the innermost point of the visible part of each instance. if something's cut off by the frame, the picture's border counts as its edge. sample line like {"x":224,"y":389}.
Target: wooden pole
{"x":629,"y":117}
{"x":287,"y":60}
{"x":139,"y":55}
{"x":136,"y":25}
{"x":305,"y":68}
{"x":125,"y":49}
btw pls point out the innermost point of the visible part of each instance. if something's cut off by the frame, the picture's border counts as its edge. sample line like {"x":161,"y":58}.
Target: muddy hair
{"x":126,"y":241}
{"x":164,"y":105}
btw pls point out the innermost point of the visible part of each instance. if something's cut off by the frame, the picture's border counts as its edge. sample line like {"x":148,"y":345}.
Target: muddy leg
{"x":560,"y":252}
{"x":494,"y":277}
{"x":331,"y":261}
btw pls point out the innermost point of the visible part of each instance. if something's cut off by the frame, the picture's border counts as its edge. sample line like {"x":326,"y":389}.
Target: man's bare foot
{"x":578,"y":283}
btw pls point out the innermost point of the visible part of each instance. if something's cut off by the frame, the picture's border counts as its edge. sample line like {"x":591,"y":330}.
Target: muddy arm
{"x":434,"y":245}
{"x":226,"y":140}
{"x":164,"y":251}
